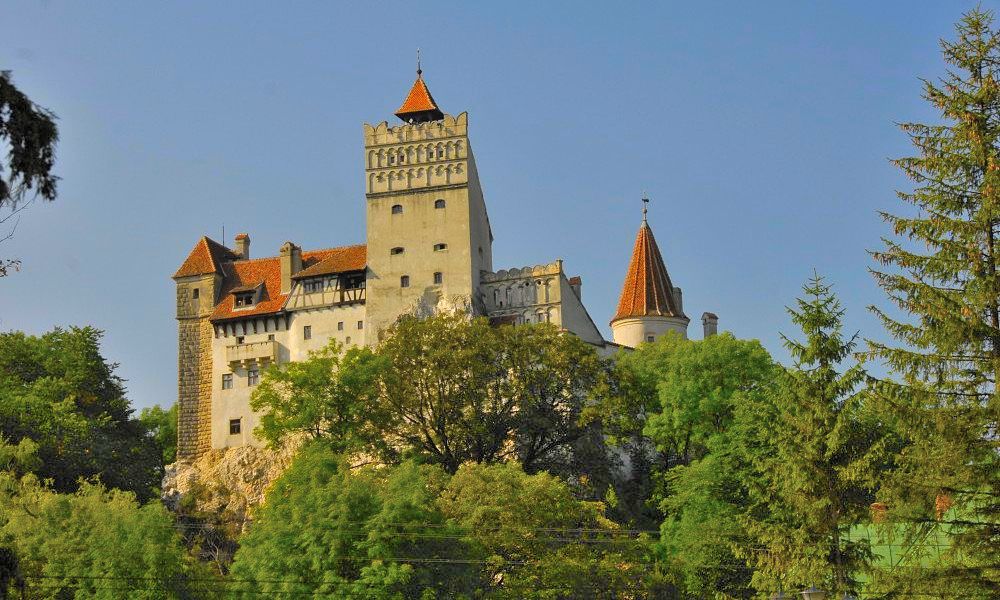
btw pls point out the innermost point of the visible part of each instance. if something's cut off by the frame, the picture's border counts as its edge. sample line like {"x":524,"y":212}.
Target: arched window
{"x":397,"y":209}
{"x":396,"y":250}
{"x":439,"y":203}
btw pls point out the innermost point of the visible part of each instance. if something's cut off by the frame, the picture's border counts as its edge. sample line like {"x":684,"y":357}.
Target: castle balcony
{"x":261,"y":353}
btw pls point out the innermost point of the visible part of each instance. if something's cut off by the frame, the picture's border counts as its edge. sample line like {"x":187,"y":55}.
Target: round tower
{"x":649,"y":305}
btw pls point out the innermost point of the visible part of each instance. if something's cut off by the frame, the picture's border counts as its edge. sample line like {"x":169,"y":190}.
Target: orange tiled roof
{"x":207,"y":256}
{"x":647,"y":289}
{"x":419,"y":100}
{"x":241,"y":274}
{"x":340,"y":260}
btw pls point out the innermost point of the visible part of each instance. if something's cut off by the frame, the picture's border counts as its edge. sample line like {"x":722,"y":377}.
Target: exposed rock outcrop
{"x":227,"y":482}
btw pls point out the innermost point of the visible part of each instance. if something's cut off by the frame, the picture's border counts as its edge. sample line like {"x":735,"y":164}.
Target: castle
{"x":429,"y":247}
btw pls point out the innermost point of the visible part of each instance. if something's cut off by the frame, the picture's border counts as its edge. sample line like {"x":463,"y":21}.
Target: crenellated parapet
{"x":415,"y":156}
{"x":526,"y":294}
{"x":383,"y":134}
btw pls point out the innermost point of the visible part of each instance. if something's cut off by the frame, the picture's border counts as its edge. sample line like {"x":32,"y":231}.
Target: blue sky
{"x":761,"y":131}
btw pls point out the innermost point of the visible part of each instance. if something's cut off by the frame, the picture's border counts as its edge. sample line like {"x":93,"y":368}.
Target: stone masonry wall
{"x":194,"y":377}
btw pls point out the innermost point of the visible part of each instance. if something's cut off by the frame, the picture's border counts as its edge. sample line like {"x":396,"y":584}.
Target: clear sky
{"x":761,"y":131}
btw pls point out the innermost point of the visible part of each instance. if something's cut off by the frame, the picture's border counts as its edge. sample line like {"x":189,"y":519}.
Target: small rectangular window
{"x":234,"y":426}
{"x":438,"y":278}
{"x":361,"y":324}
{"x":307,"y":332}
{"x":227,"y":381}
{"x":270,"y":337}
{"x":439,"y":203}
{"x":404,"y":281}
{"x":440,"y":247}
{"x":397,"y":209}
{"x":239,"y":339}
{"x":340,"y":326}
{"x":253,"y":376}
{"x":396,"y":250}
{"x":649,"y":338}
{"x":195,"y":293}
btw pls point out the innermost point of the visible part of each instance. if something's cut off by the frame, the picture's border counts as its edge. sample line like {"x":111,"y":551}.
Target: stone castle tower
{"x":428,"y":231}
{"x":199,"y":283}
{"x":649,"y":305}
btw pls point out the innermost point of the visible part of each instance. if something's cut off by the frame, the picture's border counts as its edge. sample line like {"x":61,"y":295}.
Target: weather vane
{"x":418,"y":62}
{"x":645,"y":205}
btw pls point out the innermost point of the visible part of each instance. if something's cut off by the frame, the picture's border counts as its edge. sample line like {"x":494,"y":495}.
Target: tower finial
{"x":645,"y":205}
{"x":419,"y":71}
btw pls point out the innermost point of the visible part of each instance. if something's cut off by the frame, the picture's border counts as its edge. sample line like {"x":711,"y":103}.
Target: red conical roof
{"x":647,"y":289}
{"x":419,"y":104}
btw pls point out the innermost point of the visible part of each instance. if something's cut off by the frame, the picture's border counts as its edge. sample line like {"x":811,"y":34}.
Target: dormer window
{"x":312,"y":285}
{"x":244,"y":299}
{"x":397,"y":209}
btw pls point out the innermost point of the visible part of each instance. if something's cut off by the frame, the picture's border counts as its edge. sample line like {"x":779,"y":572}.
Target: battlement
{"x":448,"y":127}
{"x":417,"y":155}
{"x":553,"y":268}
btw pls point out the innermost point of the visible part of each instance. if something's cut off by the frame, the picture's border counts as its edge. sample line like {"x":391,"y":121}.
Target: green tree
{"x":461,"y":390}
{"x":815,"y":456}
{"x":365,"y":533}
{"x":940,"y":270}
{"x":328,"y":396}
{"x":29,"y":131}
{"x":94,"y":543}
{"x":162,"y":426}
{"x":57,"y":390}
{"x":534,"y":539}
{"x":702,"y":489}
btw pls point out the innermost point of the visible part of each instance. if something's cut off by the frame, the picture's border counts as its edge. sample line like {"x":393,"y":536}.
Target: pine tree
{"x":941,"y":269}
{"x":813,"y":454}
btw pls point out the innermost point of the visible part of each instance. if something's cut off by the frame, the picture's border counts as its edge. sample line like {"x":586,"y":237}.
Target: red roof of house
{"x":419,"y":100}
{"x":339,"y":260}
{"x":207,"y":256}
{"x":240,"y":274}
{"x":647,"y":289}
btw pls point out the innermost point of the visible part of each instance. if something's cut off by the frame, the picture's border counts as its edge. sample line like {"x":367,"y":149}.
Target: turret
{"x":649,"y":305}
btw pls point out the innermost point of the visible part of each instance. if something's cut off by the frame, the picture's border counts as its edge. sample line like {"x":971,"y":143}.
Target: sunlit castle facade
{"x":429,"y":247}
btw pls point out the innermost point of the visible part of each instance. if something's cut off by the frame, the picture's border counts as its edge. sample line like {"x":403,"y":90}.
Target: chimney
{"x":710,"y":324}
{"x":576,"y":284}
{"x":290,"y":257}
{"x":242,"y":246}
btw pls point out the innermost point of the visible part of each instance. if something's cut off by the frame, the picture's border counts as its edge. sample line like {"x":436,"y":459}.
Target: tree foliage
{"x":93,"y":543}
{"x":57,"y":390}
{"x":413,"y":531}
{"x":162,"y":426}
{"x":30,"y":134}
{"x":701,"y":388}
{"x":940,"y":270}
{"x":328,"y":396}
{"x":814,"y":460}
{"x":327,"y":530}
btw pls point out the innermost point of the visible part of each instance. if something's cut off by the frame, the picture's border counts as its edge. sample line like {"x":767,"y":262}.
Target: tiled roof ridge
{"x":304,"y":252}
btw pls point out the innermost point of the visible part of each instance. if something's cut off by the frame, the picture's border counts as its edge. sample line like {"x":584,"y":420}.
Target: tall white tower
{"x":428,"y":232}
{"x":649,"y":305}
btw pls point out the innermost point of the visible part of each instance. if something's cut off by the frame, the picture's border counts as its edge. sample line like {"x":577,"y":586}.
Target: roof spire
{"x":647,"y":290}
{"x":419,"y":105}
